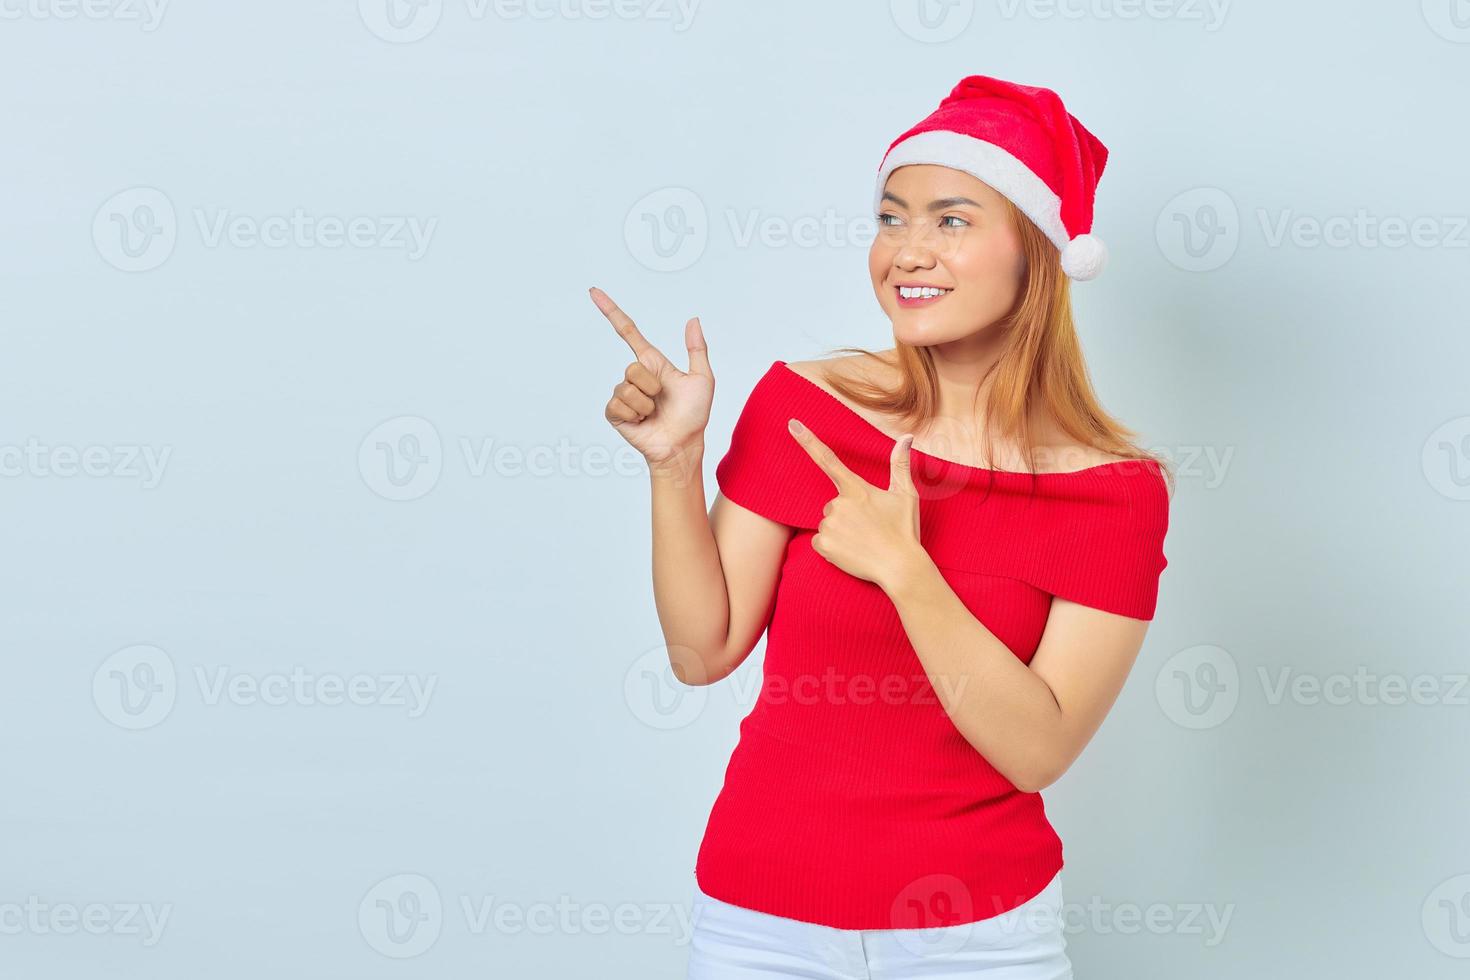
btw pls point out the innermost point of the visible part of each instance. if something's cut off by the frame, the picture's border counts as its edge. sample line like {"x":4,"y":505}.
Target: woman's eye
{"x":962,"y":223}
{"x":888,"y":219}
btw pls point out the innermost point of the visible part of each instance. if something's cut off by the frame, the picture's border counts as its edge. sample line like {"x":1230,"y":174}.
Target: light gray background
{"x":1313,"y":395}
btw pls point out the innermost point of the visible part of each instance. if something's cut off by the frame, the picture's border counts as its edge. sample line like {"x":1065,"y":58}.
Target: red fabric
{"x":851,"y":800}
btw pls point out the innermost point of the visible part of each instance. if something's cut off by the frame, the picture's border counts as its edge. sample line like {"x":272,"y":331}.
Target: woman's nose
{"x":919,"y":248}
{"x":914,"y":255}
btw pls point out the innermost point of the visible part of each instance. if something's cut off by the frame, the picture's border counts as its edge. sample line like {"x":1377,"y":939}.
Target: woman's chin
{"x":925,"y":328}
{"x":921,"y":331}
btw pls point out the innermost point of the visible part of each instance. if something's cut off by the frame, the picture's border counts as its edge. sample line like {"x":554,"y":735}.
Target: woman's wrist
{"x":679,"y":466}
{"x":910,"y":572}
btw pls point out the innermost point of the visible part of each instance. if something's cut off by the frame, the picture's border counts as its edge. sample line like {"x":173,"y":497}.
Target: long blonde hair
{"x":1040,"y":366}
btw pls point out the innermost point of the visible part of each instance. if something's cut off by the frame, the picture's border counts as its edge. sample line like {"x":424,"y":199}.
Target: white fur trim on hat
{"x":990,"y":163}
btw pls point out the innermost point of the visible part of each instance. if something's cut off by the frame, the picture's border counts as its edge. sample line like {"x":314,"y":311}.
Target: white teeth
{"x":920,"y":292}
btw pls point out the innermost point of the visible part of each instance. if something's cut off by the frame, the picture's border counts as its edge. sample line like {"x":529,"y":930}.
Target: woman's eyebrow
{"x":949,"y":202}
{"x":939,"y":205}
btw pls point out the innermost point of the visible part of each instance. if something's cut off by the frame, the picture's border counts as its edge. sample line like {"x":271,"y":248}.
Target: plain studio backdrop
{"x":329,"y":642}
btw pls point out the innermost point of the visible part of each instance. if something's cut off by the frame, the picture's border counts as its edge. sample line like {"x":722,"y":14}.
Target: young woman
{"x":954,"y":553}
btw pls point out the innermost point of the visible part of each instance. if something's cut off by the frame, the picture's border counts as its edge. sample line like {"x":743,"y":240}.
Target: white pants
{"x":734,"y":943}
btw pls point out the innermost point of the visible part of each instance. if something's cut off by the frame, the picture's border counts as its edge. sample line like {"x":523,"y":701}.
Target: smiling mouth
{"x":909,"y":296}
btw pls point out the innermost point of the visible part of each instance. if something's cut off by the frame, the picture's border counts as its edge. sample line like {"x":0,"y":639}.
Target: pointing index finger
{"x":624,"y":325}
{"x":846,"y":480}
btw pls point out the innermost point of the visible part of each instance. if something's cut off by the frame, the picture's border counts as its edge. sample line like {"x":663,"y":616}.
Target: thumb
{"x":900,"y":476}
{"x":698,"y":352}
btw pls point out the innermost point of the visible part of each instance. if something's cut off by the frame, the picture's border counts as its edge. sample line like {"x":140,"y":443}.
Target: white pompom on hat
{"x":1021,"y":141}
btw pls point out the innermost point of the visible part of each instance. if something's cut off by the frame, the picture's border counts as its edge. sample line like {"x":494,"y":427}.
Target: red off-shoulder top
{"x":851,"y":800}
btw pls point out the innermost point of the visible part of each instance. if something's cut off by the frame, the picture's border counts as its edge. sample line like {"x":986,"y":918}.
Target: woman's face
{"x":941,"y":227}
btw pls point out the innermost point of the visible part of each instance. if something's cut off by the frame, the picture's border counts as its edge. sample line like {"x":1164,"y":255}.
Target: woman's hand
{"x":661,"y":410}
{"x":867,"y":532}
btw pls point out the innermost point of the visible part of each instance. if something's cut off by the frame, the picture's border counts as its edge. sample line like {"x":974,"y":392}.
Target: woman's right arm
{"x":715,"y":572}
{"x":714,"y":576}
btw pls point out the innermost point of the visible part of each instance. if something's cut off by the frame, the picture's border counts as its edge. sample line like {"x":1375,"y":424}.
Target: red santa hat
{"x":1021,"y":141}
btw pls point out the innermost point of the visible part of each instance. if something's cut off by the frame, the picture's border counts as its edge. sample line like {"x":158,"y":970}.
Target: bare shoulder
{"x":1069,"y":456}
{"x":1056,"y":451}
{"x":847,"y":367}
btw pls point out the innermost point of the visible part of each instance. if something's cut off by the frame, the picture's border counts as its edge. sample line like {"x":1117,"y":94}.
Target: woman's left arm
{"x":1031,"y":722}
